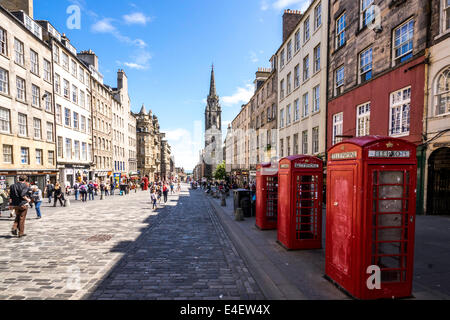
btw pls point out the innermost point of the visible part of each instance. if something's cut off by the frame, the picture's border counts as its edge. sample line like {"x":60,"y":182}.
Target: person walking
{"x":107,"y":186}
{"x":153,"y":197}
{"x":165,"y":193}
{"x":179,"y":188}
{"x":3,"y":200}
{"x":91,"y":189}
{"x":37,"y":199}
{"x":59,"y":195}
{"x":159,"y":194}
{"x":83,"y":192}
{"x":49,"y":189}
{"x":171,"y":188}
{"x":76,"y":190}
{"x":19,"y":202}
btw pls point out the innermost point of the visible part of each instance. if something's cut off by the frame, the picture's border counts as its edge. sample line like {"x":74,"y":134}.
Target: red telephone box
{"x":371,"y":203}
{"x":266,"y":196}
{"x":300,"y":183}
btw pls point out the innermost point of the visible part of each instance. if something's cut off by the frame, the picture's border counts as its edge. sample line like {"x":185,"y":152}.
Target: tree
{"x":220,"y":173}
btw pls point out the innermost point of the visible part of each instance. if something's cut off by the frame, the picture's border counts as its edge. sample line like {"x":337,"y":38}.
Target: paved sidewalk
{"x":296,"y":275}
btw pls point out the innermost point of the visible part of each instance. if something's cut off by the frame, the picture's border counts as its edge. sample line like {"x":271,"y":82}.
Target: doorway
{"x":438,"y":195}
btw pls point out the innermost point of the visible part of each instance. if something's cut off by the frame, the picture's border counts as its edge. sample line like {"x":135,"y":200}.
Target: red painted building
{"x":383,"y":106}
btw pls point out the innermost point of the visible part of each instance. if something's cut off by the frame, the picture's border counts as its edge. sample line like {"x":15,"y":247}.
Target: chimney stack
{"x":290,"y":20}
{"x":19,"y":5}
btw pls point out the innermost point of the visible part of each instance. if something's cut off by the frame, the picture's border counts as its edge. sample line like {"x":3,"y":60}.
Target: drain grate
{"x":100,"y":238}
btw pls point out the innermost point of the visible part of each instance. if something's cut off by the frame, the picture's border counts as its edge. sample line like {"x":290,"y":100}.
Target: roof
{"x":297,"y":157}
{"x":369,"y":140}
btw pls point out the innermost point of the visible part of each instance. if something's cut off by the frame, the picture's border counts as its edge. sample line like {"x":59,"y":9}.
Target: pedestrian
{"x":49,"y":189}
{"x":76,"y":189}
{"x":165,"y":193}
{"x":3,"y":200}
{"x":83,"y":192}
{"x":107,"y":189}
{"x":153,"y":197}
{"x":179,"y":188}
{"x":159,"y":194}
{"x":37,"y":199}
{"x":19,"y":202}
{"x":91,"y":189}
{"x":59,"y":195}
{"x":171,"y":188}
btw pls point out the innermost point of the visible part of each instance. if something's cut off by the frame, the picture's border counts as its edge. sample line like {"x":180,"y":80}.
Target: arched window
{"x":443,"y":92}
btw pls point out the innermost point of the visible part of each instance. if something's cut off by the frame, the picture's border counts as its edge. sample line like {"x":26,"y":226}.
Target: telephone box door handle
{"x":336,"y":204}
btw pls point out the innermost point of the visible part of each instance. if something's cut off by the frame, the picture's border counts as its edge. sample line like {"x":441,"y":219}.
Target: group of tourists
{"x":161,"y":189}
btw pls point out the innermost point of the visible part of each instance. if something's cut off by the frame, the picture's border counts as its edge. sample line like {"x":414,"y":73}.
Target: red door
{"x":339,"y":226}
{"x":391,"y":228}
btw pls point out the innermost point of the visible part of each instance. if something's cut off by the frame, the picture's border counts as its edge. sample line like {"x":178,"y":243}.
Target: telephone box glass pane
{"x":389,"y":235}
{"x":306,"y":209}
{"x":272,"y":198}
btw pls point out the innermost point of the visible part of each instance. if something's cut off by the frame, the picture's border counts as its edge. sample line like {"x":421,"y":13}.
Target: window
{"x":446,"y":12}
{"x":81,"y":74}
{"x":20,"y":84}
{"x":4,"y":81}
{"x":288,"y":145}
{"x":5,"y":120}
{"x":316,"y":99}
{"x":19,"y":52}
{"x":282,"y":59}
{"x":57,"y":83}
{"x":288,"y":114}
{"x":367,"y":12}
{"x":47,"y":71}
{"x":74,"y":68}
{"x":24,"y":156}
{"x":297,"y":41}
{"x":315,"y":140}
{"x":365,"y":65}
{"x":82,"y":99}
{"x":305,"y":105}
{"x":317,"y":58}
{"x":305,"y":142}
{"x":306,"y":30}
{"x":60,"y":147}
{"x":68,"y":148}
{"x":75,"y":120}
{"x":37,"y":129}
{"x":3,"y":42}
{"x":317,"y":16}
{"x":403,"y":42}
{"x":39,"y":157}
{"x":297,"y":110}
{"x":443,"y":92}
{"x":66,"y":89}
{"x":35,"y":94}
{"x":65,"y":61}
{"x":282,"y":89}
{"x":7,"y":154}
{"x":282,"y":118}
{"x":339,"y":80}
{"x":338,"y":121}
{"x":49,"y":132}
{"x":74,"y":94}
{"x":400,"y":107}
{"x":297,"y":76}
{"x":363,"y":120}
{"x":83,"y":151}
{"x":340,"y":30}
{"x":296,"y":151}
{"x":83,"y":123}
{"x":289,"y":83}
{"x":67,"y":118}
{"x":289,"y":51}
{"x":76,"y":148}
{"x":306,"y":68}
{"x":282,"y":147}
{"x":58,"y":114}
{"x":55,"y":53}
{"x":51,"y":158}
{"x":23,"y":130}
{"x":34,"y":59}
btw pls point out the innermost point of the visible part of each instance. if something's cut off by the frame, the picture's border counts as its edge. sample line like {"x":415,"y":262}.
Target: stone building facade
{"x":27,"y":129}
{"x":132,"y":145}
{"x":166,"y":161}
{"x":102,"y":97}
{"x":436,"y":150}
{"x":302,"y":82}
{"x":376,"y":69}
{"x":148,"y":142}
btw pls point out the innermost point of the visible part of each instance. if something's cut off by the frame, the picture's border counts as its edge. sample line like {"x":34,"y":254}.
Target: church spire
{"x":212,"y":89}
{"x":143,"y":111}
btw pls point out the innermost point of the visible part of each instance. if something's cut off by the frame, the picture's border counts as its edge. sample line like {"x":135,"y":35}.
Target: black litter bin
{"x":242,"y":199}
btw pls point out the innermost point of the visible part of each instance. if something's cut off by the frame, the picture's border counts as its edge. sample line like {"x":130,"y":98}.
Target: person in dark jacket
{"x":59,"y":195}
{"x":19,"y":202}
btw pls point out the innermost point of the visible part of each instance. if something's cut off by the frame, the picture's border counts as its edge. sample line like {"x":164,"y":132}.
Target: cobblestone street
{"x":119,"y":248}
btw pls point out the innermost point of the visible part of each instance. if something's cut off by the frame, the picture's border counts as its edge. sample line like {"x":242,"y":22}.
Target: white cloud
{"x":136,"y":18}
{"x":298,"y":4}
{"x":140,"y":61}
{"x":106,"y":26}
{"x":241,"y":96}
{"x":184,"y":148}
{"x":253,"y":57}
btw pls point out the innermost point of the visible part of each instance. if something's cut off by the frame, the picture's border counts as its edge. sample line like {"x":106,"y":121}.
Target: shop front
{"x":35,"y":177}
{"x":72,"y":173}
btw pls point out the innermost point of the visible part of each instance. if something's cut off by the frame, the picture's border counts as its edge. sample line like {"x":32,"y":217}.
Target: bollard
{"x":67,"y":203}
{"x":239,"y":215}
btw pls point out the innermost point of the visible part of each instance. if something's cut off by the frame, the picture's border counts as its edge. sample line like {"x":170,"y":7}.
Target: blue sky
{"x":166,"y":49}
